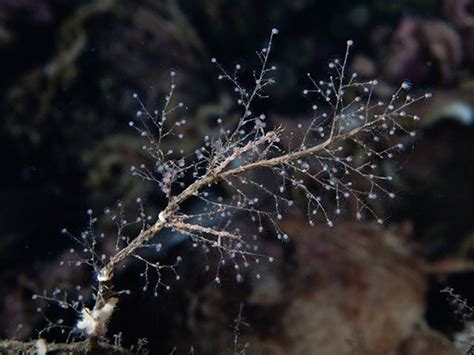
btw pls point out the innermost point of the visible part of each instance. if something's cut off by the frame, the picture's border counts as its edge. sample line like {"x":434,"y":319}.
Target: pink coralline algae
{"x":32,"y":11}
{"x":421,"y":48}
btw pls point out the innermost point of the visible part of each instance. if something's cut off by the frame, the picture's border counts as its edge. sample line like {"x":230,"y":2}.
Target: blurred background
{"x":68,"y":71}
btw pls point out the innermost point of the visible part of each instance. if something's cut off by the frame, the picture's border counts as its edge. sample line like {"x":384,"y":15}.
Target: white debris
{"x":41,"y":347}
{"x":95,"y":322}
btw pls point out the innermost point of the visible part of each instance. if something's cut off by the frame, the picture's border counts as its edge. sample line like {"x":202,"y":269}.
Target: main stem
{"x":211,"y":177}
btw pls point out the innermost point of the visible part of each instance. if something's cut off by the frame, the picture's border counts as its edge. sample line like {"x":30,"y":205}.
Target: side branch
{"x":200,"y":229}
{"x":283,"y":159}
